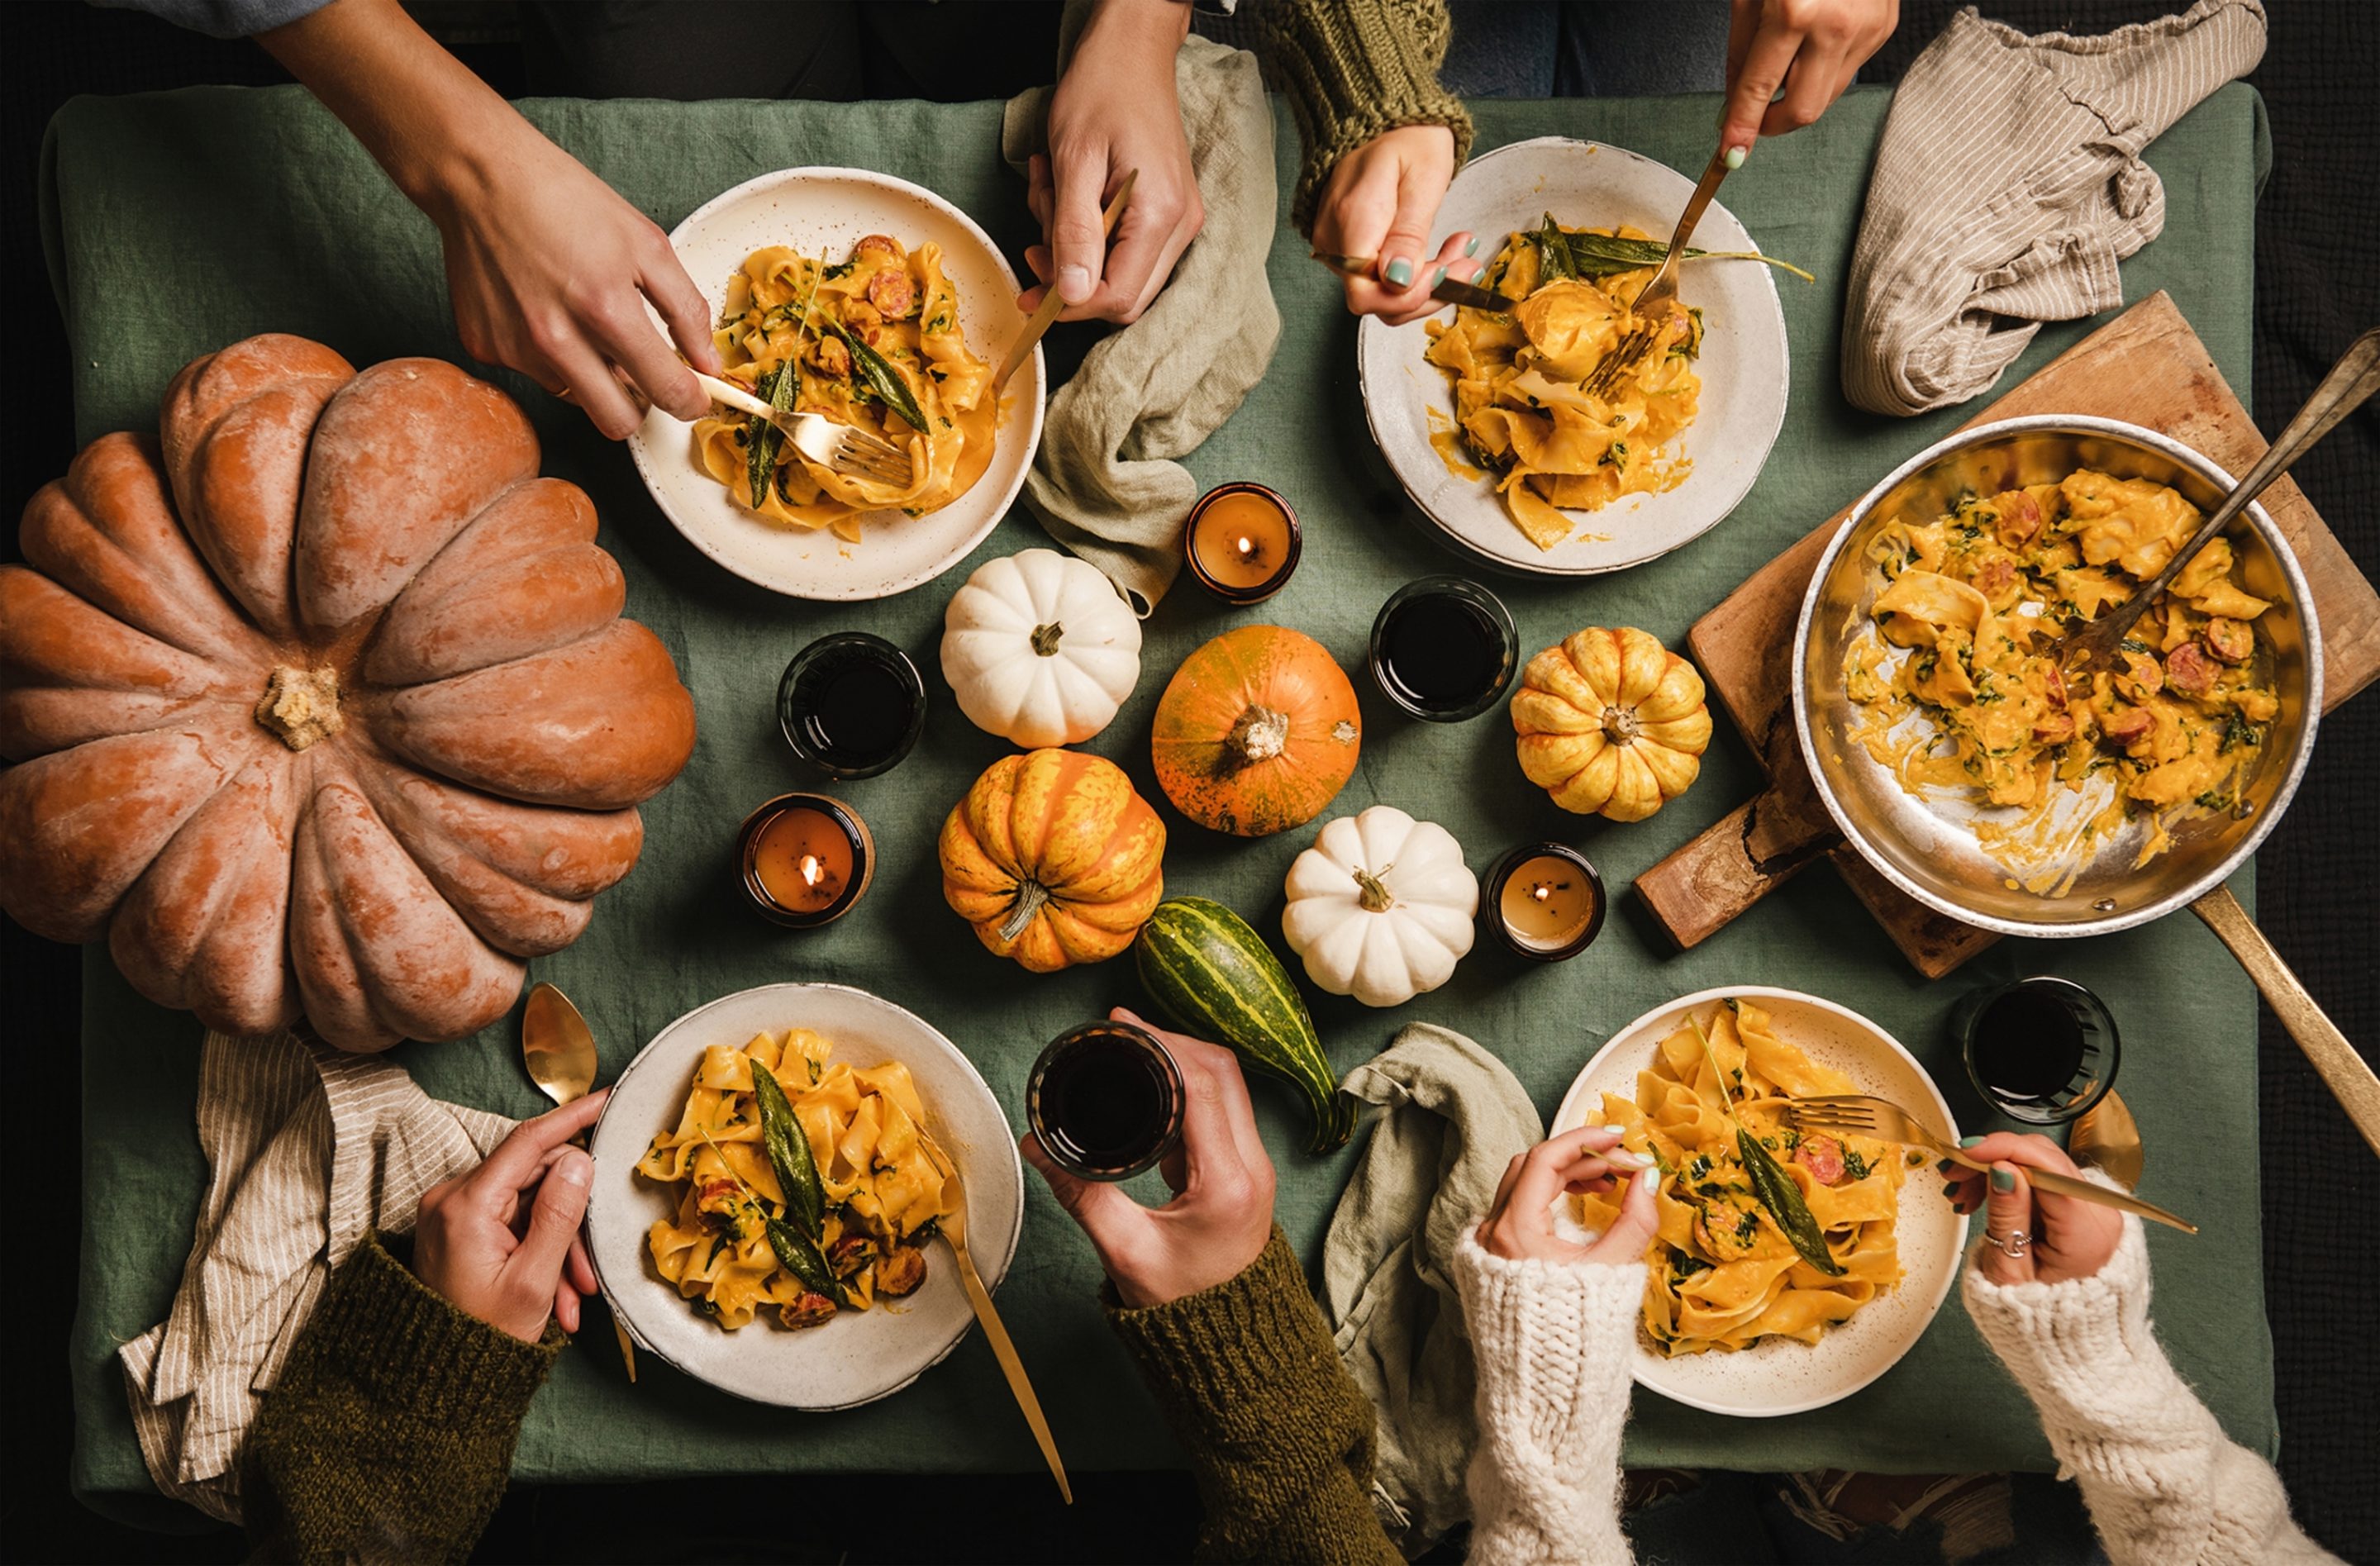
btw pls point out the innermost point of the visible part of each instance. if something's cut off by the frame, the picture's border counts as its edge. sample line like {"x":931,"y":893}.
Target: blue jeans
{"x":1573,"y":49}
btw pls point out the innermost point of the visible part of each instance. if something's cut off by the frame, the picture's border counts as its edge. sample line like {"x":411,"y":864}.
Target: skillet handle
{"x":2343,"y":1071}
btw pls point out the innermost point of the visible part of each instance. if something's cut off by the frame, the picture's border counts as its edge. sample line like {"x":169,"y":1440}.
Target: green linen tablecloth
{"x":182,"y":222}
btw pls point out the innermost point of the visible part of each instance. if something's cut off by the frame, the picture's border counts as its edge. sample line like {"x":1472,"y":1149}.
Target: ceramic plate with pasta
{"x":1788,"y":1273}
{"x":874,"y":302}
{"x":1491,"y":426}
{"x":762,"y":1216}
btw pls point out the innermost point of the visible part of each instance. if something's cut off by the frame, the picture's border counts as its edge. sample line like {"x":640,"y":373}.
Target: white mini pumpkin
{"x":1380,"y":907}
{"x":1041,"y":648}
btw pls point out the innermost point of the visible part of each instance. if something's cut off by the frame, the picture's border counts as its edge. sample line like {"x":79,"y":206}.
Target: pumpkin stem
{"x":1620,"y":725}
{"x":1030,"y":896}
{"x":301,"y":706}
{"x":1374,"y":893}
{"x":1045,"y":637}
{"x":1261,"y":733}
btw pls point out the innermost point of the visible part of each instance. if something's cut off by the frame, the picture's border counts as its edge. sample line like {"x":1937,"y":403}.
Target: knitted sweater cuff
{"x":1554,"y":1343}
{"x":1353,"y":70}
{"x":1238,"y":1352}
{"x":414,"y":1355}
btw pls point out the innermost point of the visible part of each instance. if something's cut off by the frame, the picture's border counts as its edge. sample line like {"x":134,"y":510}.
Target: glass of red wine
{"x":1105,"y":1101}
{"x":851,"y":704}
{"x":1443,"y":649}
{"x":2041,"y":1049}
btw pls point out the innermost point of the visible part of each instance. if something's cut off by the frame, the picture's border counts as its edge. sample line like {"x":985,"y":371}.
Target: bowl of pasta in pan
{"x":885,"y":307}
{"x":1760,"y":1302}
{"x":1497,"y":426}
{"x":704,"y":1245}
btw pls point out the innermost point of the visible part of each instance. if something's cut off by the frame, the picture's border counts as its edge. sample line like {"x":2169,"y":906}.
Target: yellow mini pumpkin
{"x":1611,"y":723}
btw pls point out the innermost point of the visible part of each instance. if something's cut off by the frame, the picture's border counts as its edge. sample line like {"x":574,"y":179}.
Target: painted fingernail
{"x":1438,"y":277}
{"x":1735,"y":157}
{"x":1470,"y":246}
{"x":2003,"y":1180}
{"x":1399,"y":273}
{"x":1075,"y":283}
{"x":1951,"y":1191}
{"x":1969,"y":1141}
{"x":1948,"y":1166}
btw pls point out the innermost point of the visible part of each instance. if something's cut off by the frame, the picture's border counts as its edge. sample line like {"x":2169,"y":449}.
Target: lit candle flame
{"x":812,"y":871}
{"x":1248,"y":548}
{"x":1543,"y":892}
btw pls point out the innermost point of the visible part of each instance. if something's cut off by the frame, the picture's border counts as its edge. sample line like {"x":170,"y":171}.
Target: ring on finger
{"x":2013,"y":1247}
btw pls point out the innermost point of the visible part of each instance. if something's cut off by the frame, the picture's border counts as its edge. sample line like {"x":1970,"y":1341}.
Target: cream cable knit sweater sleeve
{"x":1553,"y":1344}
{"x":2163,"y":1483}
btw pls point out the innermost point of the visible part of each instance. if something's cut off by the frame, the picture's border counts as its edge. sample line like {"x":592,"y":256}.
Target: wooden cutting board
{"x":2145,"y":366}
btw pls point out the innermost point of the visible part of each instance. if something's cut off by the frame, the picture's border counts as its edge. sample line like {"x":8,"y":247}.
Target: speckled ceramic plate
{"x":1778,"y":1374}
{"x":1744,"y":369}
{"x":860,"y":1355}
{"x":828,"y":209}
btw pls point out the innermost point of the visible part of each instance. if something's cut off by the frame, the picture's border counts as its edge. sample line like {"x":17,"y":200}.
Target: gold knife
{"x":995,"y":1332}
{"x":1052,"y":303}
{"x":1446,"y":290}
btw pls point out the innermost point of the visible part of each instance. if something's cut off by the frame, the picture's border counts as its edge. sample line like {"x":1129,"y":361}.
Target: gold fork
{"x":1657,"y":300}
{"x":953,"y":1228}
{"x":849,"y":450}
{"x":1889,"y":1123}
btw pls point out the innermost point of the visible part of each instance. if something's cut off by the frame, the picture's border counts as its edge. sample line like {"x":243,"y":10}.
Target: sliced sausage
{"x":2053,"y":688}
{"x":831,"y":358}
{"x":901,"y":1271}
{"x":1994,"y":579}
{"x":2125,"y":725}
{"x":891,"y":292}
{"x":850,"y":1254}
{"x":879,"y":244}
{"x":2229,"y":639}
{"x":810,"y":1310}
{"x":2053,"y":728}
{"x":2020,"y":519}
{"x":2188,"y":671}
{"x":1823,"y":1157}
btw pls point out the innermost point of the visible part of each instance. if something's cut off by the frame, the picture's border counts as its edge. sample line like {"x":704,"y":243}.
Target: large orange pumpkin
{"x":322,"y":701}
{"x":1258,"y":732}
{"x":1054,"y":857}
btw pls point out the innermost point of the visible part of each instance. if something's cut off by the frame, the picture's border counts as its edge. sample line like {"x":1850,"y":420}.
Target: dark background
{"x":2317,"y":285}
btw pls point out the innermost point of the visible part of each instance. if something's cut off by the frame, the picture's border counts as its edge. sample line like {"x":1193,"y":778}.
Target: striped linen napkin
{"x":2008,"y":185}
{"x":308,"y":1149}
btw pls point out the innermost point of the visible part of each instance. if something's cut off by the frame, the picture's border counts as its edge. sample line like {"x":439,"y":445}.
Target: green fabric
{"x":1280,"y":1440}
{"x":1452,"y":1117}
{"x":1352,"y":69}
{"x":188,"y":219}
{"x":389,"y":1435}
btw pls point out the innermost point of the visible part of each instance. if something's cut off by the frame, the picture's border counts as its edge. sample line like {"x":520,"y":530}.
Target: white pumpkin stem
{"x":1620,"y":725}
{"x":1030,"y":896}
{"x":1261,"y":733}
{"x":302,"y":707}
{"x":1045,"y":637}
{"x":1372,"y":890}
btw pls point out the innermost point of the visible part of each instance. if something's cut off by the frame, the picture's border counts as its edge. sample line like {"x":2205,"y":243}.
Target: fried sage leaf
{"x":1600,"y":255}
{"x":1555,"y":258}
{"x":803,"y":1260}
{"x":880,"y":378}
{"x":764,"y":441}
{"x":788,"y":1148}
{"x":1783,"y":1200}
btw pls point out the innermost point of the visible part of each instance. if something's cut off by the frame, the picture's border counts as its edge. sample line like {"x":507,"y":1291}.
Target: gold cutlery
{"x":1052,"y":303}
{"x":953,"y":1228}
{"x":1657,"y":299}
{"x":1886,"y":1122}
{"x":1446,"y":290}
{"x":2108,"y":1137}
{"x":848,"y":449}
{"x":558,"y":1047}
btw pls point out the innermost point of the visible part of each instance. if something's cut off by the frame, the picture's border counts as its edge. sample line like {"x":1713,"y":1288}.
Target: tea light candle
{"x":1243,"y":542}
{"x":803,"y":859}
{"x":1545,"y":901}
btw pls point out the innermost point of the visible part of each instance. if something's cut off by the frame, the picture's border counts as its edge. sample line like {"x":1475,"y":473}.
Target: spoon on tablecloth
{"x":558,"y":1047}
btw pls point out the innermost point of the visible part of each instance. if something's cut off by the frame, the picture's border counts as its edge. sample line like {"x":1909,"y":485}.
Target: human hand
{"x":1115,"y":110}
{"x":2064,"y":1238}
{"x":1812,"y":48}
{"x":1380,"y":200}
{"x":1520,"y":1223}
{"x":502,"y":1243}
{"x":1221,"y":1217}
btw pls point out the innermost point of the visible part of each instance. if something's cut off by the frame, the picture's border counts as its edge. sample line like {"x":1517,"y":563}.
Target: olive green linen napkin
{"x":1107,"y":482}
{"x":2009,"y":184}
{"x":1453,"y":1118}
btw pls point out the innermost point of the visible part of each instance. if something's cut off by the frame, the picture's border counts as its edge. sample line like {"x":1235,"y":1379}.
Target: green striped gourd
{"x":1216,"y":978}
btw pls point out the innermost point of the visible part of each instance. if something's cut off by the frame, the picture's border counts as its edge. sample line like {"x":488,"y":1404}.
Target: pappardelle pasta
{"x":873,"y":342}
{"x":1522,"y":408}
{"x":805,"y":1187}
{"x":1764,"y":1231}
{"x":1965,"y":638}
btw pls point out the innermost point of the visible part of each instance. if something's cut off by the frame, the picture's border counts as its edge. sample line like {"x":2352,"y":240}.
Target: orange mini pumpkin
{"x":1258,"y":732}
{"x":1611,"y":723}
{"x":321,"y":702}
{"x":1054,"y":857}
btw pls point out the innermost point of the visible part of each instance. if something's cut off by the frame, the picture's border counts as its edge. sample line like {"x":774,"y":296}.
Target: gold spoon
{"x":2108,"y":1137}
{"x":558,"y":1047}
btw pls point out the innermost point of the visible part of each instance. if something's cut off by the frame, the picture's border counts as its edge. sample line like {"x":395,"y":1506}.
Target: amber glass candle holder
{"x":803,"y":859}
{"x":1242,"y":542}
{"x":1105,"y":1101}
{"x":1544,"y":901}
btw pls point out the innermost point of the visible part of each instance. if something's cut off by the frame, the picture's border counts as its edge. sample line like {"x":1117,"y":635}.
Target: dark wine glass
{"x":1105,"y":1101}
{"x":2040,"y":1050}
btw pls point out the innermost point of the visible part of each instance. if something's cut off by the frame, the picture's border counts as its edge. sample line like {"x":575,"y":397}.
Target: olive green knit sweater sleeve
{"x":1351,"y":70}
{"x":1279,"y":1438}
{"x":389,"y":1436}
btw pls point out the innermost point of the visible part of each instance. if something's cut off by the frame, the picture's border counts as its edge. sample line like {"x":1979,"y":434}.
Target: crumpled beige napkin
{"x":1454,"y":1117}
{"x":2007,"y":185}
{"x":308,"y":1149}
{"x":1106,"y":483}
